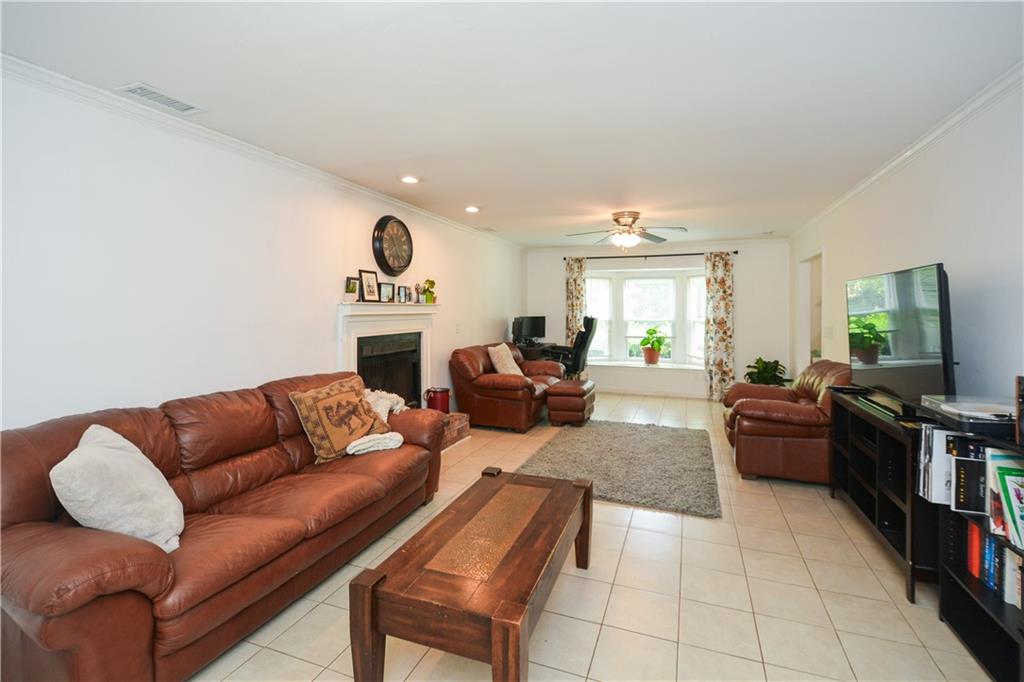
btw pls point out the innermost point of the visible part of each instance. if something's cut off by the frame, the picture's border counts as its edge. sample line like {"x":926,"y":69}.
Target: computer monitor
{"x":527,"y":330}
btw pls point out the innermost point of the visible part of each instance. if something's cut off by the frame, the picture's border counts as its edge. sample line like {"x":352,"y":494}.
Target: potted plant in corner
{"x":652,"y":345}
{"x":766,"y":372}
{"x":866,"y":340}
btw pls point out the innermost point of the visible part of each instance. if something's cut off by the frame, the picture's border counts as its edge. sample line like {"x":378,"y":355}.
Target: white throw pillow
{"x":503,"y":361}
{"x":107,"y":483}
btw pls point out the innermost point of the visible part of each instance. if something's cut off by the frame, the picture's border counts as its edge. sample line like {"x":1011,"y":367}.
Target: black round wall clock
{"x":392,"y":245}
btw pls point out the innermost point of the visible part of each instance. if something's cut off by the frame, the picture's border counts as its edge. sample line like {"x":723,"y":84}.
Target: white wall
{"x":761,"y":281}
{"x":142,"y":263}
{"x":958,"y":201}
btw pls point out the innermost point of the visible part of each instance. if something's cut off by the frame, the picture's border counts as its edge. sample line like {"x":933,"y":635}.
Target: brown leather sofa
{"x":783,"y":432}
{"x":263,"y":525}
{"x":502,"y":400}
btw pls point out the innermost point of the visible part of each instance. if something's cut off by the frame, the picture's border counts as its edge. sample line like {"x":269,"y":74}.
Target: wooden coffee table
{"x":474,"y":580}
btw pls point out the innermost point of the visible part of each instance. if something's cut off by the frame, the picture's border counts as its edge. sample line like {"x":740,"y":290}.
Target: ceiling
{"x":736,"y":120}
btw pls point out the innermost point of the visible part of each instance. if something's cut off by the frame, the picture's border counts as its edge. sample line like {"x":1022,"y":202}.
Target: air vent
{"x":153,"y":96}
{"x":490,"y":230}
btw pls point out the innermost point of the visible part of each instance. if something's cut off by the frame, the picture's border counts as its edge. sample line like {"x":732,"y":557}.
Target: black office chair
{"x":575,"y":358}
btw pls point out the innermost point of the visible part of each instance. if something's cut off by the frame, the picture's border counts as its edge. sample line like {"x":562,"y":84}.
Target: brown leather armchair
{"x":783,"y":432}
{"x":507,"y":401}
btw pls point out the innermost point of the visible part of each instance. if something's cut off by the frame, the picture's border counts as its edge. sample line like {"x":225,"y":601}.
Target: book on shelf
{"x":997,"y":567}
{"x":984,"y":480}
{"x":935,"y":463}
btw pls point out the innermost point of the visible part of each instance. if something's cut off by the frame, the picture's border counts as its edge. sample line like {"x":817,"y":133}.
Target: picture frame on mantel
{"x":369,"y":289}
{"x":351,"y":293}
{"x":387,"y":292}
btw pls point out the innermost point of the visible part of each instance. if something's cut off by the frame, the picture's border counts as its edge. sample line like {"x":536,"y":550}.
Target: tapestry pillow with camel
{"x":336,"y":415}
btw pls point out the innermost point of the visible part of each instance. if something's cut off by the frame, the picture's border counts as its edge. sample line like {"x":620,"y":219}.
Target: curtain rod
{"x":653,"y":255}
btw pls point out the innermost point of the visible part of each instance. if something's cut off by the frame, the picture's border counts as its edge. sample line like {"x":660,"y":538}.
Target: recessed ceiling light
{"x":472,"y":209}
{"x":410,"y":179}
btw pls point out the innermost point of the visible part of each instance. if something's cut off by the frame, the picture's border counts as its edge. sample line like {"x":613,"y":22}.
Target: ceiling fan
{"x":626,"y":234}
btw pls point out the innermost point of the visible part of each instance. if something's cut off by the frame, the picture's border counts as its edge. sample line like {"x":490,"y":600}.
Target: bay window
{"x":627,"y":303}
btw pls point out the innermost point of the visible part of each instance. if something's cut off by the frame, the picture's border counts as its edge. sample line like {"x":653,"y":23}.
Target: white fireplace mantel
{"x":357,"y":320}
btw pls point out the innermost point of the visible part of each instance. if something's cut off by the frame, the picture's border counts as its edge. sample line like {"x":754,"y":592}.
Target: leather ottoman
{"x":570,"y":401}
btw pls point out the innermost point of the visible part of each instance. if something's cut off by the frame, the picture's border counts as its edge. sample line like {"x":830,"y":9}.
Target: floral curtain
{"x":718,"y":328}
{"x":575,"y":297}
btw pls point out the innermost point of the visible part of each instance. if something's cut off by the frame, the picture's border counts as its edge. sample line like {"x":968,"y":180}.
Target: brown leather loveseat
{"x":263,"y":525}
{"x":783,"y":432}
{"x":503,"y":400}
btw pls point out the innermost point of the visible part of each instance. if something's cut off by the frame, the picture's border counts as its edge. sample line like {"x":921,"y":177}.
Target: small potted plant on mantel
{"x":866,"y":340}
{"x":652,"y":345}
{"x":766,"y":372}
{"x":428,"y":291}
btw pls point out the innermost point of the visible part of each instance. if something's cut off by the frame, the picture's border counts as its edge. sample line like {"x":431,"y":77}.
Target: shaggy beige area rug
{"x":636,"y":464}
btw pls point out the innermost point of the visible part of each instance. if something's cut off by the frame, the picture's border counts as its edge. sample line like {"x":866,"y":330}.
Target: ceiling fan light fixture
{"x":625,"y":240}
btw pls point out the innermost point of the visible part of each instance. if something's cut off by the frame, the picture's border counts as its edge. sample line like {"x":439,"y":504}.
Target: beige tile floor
{"x":788,"y":585}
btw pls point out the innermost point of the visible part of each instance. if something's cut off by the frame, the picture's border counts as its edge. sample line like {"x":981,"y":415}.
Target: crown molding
{"x":66,"y":86}
{"x":993,"y":92}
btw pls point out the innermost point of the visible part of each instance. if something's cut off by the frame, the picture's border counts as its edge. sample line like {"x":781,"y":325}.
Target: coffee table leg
{"x":509,"y":643}
{"x":367,"y":640}
{"x":583,"y":537}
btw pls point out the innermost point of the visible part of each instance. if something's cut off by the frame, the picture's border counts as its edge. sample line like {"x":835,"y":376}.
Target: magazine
{"x":1011,"y":484}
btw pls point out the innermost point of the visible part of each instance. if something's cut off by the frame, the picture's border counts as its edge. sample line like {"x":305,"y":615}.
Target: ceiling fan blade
{"x":604,"y":240}
{"x":666,"y":227}
{"x":581,"y":234}
{"x":652,"y":237}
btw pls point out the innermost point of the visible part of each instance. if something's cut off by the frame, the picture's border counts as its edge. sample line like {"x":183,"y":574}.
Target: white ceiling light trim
{"x":983,"y":99}
{"x":410,"y":179}
{"x":51,"y":81}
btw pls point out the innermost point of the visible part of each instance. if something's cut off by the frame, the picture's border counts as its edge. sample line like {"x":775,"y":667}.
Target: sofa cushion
{"x":30,"y":452}
{"x":318,"y":501}
{"x":219,"y":550}
{"x":277,"y":393}
{"x":544,"y":380}
{"x":336,"y":415}
{"x":388,"y":467}
{"x":220,"y":425}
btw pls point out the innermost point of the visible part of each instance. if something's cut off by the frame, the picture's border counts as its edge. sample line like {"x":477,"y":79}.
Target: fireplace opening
{"x":391,"y":362}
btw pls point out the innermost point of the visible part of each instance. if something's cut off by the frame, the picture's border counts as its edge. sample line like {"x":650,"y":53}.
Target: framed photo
{"x":403,"y":294}
{"x":369,"y":290}
{"x":352,"y":285}
{"x":387,"y":292}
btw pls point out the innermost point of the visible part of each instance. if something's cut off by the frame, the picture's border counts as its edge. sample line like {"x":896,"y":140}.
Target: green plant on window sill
{"x":866,"y":340}
{"x":766,"y":372}
{"x":652,"y":345}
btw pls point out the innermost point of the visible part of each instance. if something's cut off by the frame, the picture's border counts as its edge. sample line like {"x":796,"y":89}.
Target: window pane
{"x":649,"y":299}
{"x":599,"y":298}
{"x":600,"y":346}
{"x":696,"y":298}
{"x":599,"y":305}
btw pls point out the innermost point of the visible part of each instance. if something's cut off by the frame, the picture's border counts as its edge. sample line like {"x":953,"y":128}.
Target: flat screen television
{"x":899,"y":330}
{"x":528,"y":329}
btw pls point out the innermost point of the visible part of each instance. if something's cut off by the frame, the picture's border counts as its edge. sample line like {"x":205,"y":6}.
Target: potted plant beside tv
{"x":652,"y":345}
{"x":866,"y":340}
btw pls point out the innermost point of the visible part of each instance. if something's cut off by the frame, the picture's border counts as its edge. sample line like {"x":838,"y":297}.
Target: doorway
{"x":807,"y":339}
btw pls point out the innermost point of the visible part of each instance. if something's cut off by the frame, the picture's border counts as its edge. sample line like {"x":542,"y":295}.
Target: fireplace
{"x":391,"y":362}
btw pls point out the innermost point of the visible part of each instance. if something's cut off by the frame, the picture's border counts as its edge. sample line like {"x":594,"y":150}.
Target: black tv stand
{"x":873,"y":465}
